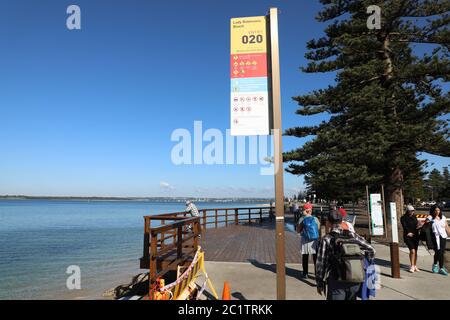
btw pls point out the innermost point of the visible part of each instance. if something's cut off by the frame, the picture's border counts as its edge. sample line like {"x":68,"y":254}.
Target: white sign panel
{"x":376,"y":212}
{"x":394,"y":222}
{"x":249,"y":77}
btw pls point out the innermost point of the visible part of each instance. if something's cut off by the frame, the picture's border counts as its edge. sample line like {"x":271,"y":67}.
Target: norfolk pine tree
{"x":387,"y":103}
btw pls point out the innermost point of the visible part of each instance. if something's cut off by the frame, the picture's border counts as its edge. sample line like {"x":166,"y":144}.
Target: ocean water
{"x":40,"y":239}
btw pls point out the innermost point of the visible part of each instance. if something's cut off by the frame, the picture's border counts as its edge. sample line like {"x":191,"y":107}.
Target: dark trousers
{"x":305,"y":260}
{"x":336,"y":291}
{"x":439,"y":254}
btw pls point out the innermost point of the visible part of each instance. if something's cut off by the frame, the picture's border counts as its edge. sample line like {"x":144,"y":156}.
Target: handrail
{"x":172,"y":241}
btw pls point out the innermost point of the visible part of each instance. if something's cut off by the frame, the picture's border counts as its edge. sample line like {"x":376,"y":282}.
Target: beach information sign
{"x":376,"y":213}
{"x":249,"y":82}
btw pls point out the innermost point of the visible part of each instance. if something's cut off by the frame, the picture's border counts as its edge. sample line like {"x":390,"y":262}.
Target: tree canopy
{"x":388,"y":102}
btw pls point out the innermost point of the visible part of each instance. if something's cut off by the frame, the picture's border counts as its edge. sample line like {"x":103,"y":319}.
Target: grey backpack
{"x":347,"y":259}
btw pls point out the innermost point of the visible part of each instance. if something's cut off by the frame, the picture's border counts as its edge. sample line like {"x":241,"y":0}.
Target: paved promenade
{"x":257,"y":280}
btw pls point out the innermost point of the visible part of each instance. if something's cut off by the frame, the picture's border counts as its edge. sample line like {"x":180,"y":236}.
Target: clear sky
{"x":91,"y":112}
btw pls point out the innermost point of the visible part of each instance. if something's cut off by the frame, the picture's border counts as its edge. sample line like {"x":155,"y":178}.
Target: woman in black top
{"x":411,"y":235}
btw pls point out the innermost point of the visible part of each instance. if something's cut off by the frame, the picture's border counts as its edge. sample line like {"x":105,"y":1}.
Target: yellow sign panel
{"x":248,"y":35}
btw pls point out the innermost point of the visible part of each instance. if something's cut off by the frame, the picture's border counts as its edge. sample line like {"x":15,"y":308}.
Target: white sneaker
{"x":412,"y":269}
{"x":416,"y":269}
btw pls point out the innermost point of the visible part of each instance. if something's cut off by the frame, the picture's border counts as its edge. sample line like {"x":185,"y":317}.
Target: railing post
{"x":196,"y":233}
{"x":249,"y":216}
{"x":260,"y":215}
{"x":153,"y":255}
{"x":179,"y":242}
{"x":236,"y":216}
{"x":163,"y":235}
{"x":145,"y":256}
{"x":226,"y":217}
{"x":216,"y":218}
{"x":204,"y":221}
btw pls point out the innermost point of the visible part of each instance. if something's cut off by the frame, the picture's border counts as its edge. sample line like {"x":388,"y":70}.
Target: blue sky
{"x":91,"y":111}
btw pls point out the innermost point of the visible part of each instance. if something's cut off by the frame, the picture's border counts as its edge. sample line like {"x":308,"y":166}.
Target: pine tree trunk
{"x":394,"y":194}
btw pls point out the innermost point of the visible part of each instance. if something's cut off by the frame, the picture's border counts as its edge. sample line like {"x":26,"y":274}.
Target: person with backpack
{"x":411,"y":236}
{"x":308,"y":226}
{"x":441,"y":230}
{"x":341,"y":257}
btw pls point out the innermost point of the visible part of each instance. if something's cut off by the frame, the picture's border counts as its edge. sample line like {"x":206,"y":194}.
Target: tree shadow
{"x":386,"y":263}
{"x":294,"y":273}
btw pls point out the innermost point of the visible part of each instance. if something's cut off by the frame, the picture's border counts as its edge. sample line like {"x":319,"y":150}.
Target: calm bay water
{"x":39,"y":239}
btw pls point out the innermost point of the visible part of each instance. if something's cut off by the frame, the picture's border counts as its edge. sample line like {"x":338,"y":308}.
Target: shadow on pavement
{"x":238,"y":296}
{"x":289,"y":271}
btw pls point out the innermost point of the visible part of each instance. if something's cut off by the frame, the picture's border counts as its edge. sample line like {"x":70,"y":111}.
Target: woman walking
{"x":308,"y":226}
{"x":441,"y":231}
{"x":411,"y":236}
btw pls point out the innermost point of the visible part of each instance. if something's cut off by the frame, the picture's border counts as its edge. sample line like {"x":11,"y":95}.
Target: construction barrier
{"x":186,"y":287}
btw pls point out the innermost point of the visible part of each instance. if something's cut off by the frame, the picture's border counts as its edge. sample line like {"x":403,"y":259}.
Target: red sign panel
{"x":252,"y":65}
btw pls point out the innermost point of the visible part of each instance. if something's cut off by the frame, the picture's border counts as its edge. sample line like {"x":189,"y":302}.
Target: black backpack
{"x":426,"y":235}
{"x":346,"y":259}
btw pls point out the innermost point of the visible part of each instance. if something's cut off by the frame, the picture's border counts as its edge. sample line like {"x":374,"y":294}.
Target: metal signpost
{"x":278,"y":154}
{"x":255,"y":87}
{"x":395,"y":259}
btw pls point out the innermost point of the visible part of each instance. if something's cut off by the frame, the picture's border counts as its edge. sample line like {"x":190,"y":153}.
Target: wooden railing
{"x":171,"y":239}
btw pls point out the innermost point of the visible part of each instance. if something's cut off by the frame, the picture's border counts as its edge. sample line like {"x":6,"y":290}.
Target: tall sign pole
{"x":256,"y":104}
{"x":278,"y":154}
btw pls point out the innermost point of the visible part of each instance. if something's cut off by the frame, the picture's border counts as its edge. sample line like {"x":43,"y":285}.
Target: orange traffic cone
{"x":226,"y":291}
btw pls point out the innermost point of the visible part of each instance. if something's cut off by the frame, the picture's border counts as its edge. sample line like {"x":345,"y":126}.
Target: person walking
{"x":411,"y":236}
{"x":441,"y":230}
{"x":296,"y":211}
{"x":308,"y":226}
{"x":340,"y":269}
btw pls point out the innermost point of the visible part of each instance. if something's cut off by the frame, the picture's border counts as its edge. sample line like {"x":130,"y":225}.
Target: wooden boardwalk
{"x":248,"y":242}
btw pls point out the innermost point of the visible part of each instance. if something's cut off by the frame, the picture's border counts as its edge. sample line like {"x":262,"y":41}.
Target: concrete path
{"x":254,"y":280}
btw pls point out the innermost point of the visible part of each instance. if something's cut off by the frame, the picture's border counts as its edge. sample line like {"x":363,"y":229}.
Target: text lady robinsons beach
{"x":212,"y":148}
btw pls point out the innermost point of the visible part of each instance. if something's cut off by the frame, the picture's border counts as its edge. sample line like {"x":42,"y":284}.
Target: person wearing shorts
{"x":411,"y":236}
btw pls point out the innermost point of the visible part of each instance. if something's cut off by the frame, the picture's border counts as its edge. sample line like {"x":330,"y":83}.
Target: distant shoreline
{"x":155,"y":199}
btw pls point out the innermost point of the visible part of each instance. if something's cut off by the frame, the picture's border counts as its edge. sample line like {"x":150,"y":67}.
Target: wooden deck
{"x":248,"y":242}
